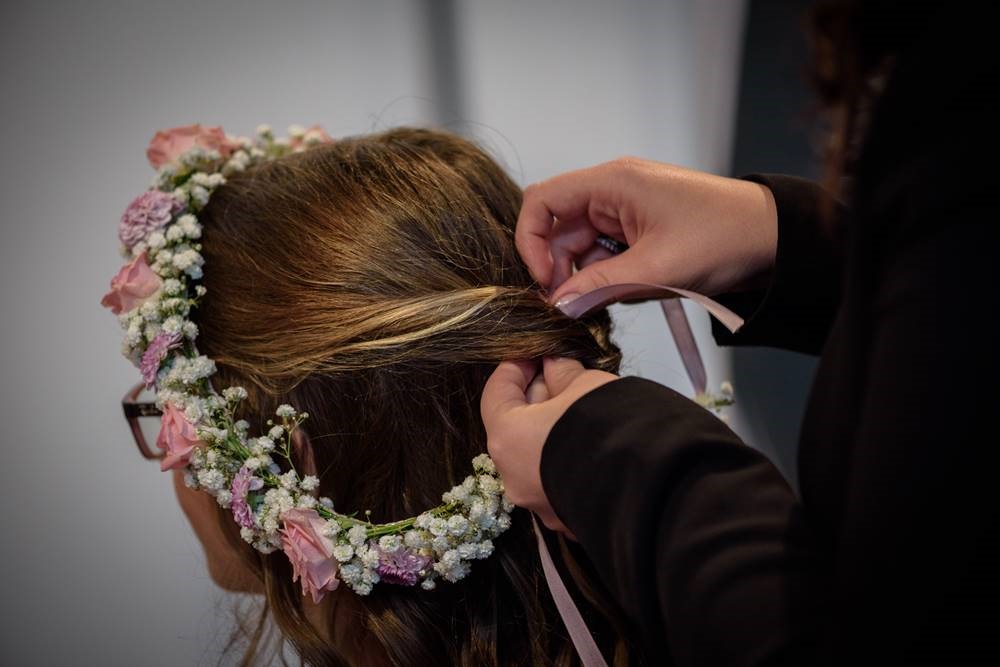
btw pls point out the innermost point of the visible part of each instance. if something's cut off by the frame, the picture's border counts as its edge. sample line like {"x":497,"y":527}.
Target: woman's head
{"x":373,"y":282}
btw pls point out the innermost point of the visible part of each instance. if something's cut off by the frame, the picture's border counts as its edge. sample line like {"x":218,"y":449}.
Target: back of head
{"x":374,"y":283}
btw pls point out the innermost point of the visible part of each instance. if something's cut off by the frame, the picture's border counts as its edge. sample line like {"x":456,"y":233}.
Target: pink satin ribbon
{"x":677,"y":320}
{"x":687,"y":347}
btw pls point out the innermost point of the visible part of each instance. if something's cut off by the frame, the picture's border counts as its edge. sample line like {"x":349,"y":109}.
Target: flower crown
{"x":153,"y":295}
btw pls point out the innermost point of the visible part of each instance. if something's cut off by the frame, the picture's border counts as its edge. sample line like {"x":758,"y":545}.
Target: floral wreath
{"x":153,"y":295}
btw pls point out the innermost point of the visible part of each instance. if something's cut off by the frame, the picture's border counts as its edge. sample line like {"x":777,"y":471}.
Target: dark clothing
{"x":890,"y":555}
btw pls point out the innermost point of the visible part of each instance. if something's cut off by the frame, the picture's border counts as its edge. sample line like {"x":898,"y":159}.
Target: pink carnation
{"x":310,"y":552}
{"x":243,"y":483}
{"x":149,"y":211}
{"x":400,"y":566}
{"x":177,"y":438}
{"x":155,"y":354}
{"x":168,"y":145}
{"x":134,"y":283}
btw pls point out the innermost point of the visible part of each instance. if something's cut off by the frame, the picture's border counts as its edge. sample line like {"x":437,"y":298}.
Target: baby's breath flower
{"x":357,"y":535}
{"x":488,"y":484}
{"x":199,"y":195}
{"x":441,"y":543}
{"x":438,"y":526}
{"x":174,"y":233}
{"x":289,"y":480}
{"x":484,"y":463}
{"x":234,"y":394}
{"x":210,"y":479}
{"x":415,"y":539}
{"x":331,"y":528}
{"x":390,"y":542}
{"x":173,"y":324}
{"x":458,"y":525}
{"x":224,"y":498}
{"x":156,"y":240}
{"x":369,"y":557}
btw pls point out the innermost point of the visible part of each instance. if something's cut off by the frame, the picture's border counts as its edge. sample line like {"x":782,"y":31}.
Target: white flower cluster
{"x":716,"y":402}
{"x":241,"y":471}
{"x":439,"y":543}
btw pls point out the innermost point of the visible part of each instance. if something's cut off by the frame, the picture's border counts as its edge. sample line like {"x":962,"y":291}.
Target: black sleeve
{"x":699,"y":536}
{"x":796,"y":311}
{"x":707,"y":548}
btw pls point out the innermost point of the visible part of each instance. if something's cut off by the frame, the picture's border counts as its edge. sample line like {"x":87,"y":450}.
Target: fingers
{"x":507,"y":387}
{"x":551,"y":521}
{"x":557,"y":197}
{"x":627,"y":267}
{"x":584,"y":193}
{"x":537,"y":392}
{"x":569,"y":240}
{"x":559,"y":372}
{"x":595,"y":254}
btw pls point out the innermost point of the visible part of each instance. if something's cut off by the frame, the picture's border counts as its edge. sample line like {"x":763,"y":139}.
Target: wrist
{"x":758,"y":229}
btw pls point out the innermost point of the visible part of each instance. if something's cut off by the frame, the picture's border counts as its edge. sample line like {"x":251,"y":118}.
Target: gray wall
{"x":776,"y":132}
{"x":98,"y":565}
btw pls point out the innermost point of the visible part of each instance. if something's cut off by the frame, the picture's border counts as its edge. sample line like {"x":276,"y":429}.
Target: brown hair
{"x":854,"y":45}
{"x":373,"y":282}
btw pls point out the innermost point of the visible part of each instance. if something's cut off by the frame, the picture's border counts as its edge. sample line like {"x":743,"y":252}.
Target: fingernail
{"x":565,"y":300}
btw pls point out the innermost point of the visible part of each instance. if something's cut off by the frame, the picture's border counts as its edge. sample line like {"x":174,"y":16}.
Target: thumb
{"x":560,"y":373}
{"x":628,"y":267}
{"x":506,"y":388}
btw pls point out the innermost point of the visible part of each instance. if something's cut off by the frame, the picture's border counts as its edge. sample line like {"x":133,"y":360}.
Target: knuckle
{"x":627,"y":163}
{"x":531,"y":191}
{"x":515,"y":496}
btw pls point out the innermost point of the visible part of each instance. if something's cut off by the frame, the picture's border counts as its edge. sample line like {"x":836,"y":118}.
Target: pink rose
{"x":168,"y":145}
{"x":310,"y":552}
{"x":177,"y":438}
{"x":314,"y":134}
{"x":134,"y":283}
{"x":148,"y":212}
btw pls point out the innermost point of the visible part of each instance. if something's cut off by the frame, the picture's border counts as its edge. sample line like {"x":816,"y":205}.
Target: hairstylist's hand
{"x":519,"y":409}
{"x":685,"y":229}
